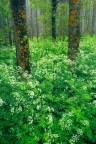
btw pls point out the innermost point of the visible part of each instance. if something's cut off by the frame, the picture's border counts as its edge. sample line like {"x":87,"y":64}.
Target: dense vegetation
{"x":56,"y":103}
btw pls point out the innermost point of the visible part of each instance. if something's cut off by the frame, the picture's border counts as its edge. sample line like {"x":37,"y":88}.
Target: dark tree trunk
{"x":22,"y":44}
{"x":74,"y":28}
{"x":54,"y":7}
{"x":10,"y":38}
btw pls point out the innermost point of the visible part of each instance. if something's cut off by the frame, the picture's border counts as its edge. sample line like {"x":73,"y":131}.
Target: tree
{"x":94,"y":17}
{"x":22,"y":44}
{"x":54,"y":4}
{"x":74,"y":28}
{"x":54,"y":7}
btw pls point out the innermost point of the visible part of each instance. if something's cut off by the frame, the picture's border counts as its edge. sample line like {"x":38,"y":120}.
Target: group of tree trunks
{"x":22,"y":44}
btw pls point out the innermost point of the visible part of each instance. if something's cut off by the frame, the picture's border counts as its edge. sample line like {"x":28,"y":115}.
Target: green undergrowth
{"x":56,"y":103}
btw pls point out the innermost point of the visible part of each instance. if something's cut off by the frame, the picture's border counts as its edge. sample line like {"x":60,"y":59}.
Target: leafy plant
{"x":56,"y":103}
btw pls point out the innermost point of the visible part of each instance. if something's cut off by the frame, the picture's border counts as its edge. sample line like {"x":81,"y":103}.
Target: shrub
{"x":56,"y":103}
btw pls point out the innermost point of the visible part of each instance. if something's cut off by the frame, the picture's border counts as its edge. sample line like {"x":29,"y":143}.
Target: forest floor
{"x":56,"y":103}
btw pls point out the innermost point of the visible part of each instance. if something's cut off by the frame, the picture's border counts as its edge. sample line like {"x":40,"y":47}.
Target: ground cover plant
{"x":56,"y":103}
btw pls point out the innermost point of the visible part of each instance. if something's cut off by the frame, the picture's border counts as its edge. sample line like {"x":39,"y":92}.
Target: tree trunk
{"x":10,"y":32}
{"x":54,"y":7}
{"x":94,"y":18}
{"x":22,"y":45}
{"x":10,"y":38}
{"x":74,"y":28}
{"x":37,"y":28}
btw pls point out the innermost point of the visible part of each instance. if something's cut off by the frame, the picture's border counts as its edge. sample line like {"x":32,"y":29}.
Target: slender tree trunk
{"x":94,"y":17}
{"x":37,"y":28}
{"x":74,"y":28}
{"x":54,"y":7}
{"x":22,"y":45}
{"x":29,"y":18}
{"x":10,"y":38}
{"x":10,"y":32}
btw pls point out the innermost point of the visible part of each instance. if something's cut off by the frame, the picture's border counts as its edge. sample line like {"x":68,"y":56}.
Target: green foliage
{"x":5,"y":15}
{"x":56,"y":103}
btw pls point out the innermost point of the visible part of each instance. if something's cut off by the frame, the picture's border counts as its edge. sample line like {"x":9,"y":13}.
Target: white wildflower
{"x":36,"y":83}
{"x":30,"y":84}
{"x":34,"y":102}
{"x":80,"y":131}
{"x":30,"y":119}
{"x":86,"y":122}
{"x":19,"y":77}
{"x":50,"y":119}
{"x":94,"y":96}
{"x":48,"y":109}
{"x":17,"y":96}
{"x":74,"y":139}
{"x":19,"y":108}
{"x":25,"y":75}
{"x":1,"y":102}
{"x":68,"y":124}
{"x":38,"y":107}
{"x":70,"y":114}
{"x":12,"y":129}
{"x":12,"y":110}
{"x":94,"y":102}
{"x":54,"y":135}
{"x":52,"y":109}
{"x":31,"y":94}
{"x":84,"y":88}
{"x":29,"y":75}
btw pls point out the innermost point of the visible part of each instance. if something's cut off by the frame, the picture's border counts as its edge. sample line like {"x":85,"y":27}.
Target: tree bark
{"x":22,"y":44}
{"x":74,"y":28}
